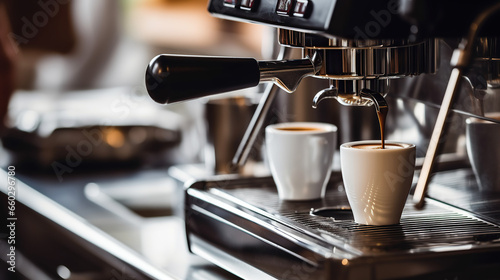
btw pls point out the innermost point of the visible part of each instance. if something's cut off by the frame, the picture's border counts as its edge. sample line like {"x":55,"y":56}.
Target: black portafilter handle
{"x":174,"y":78}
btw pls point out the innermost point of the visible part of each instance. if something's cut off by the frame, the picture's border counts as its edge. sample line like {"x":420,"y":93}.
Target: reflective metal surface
{"x":365,"y":97}
{"x":355,"y":59}
{"x":227,"y":119}
{"x":487,"y":63}
{"x":244,"y":219}
{"x":294,"y":38}
{"x":288,"y":74}
{"x":61,"y":233}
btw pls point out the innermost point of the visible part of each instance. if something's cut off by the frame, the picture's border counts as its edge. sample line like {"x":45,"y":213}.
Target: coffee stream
{"x":382,"y":116}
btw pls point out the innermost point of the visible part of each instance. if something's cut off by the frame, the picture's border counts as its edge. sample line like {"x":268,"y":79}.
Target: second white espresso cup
{"x":377,"y":181}
{"x":484,"y":152}
{"x":300,"y":157}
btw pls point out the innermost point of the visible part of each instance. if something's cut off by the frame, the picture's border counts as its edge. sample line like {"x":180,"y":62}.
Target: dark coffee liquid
{"x":382,"y":115}
{"x":300,"y":128}
{"x":377,"y":147}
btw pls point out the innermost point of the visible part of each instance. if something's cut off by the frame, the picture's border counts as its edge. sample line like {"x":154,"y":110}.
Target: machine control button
{"x":284,"y":7}
{"x":301,"y":8}
{"x":248,"y":4}
{"x":230,"y":3}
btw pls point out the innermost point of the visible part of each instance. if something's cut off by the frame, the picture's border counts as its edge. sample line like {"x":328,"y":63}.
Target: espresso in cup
{"x":300,"y":128}
{"x":378,"y":146}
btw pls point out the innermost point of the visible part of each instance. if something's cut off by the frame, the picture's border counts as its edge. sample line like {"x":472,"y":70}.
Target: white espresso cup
{"x":300,"y":157}
{"x":377,"y":181}
{"x":484,"y":152}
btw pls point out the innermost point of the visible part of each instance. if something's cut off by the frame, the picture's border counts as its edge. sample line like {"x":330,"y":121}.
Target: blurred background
{"x":82,"y":131}
{"x":82,"y":64}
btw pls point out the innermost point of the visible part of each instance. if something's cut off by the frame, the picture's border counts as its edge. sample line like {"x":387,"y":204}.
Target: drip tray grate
{"x":242,"y":221}
{"x":435,"y":226}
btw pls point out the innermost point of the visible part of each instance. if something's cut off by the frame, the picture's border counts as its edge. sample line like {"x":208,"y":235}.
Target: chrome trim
{"x":287,"y":74}
{"x":376,"y":62}
{"x":292,"y":38}
{"x":349,"y":92}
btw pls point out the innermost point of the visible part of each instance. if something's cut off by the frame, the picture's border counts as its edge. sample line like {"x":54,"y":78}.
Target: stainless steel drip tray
{"x":242,"y":226}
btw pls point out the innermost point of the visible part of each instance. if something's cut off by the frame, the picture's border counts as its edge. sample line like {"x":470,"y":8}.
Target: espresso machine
{"x":432,"y":63}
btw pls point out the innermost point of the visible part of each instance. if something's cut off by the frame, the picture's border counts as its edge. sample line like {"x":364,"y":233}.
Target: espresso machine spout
{"x":365,"y":97}
{"x":331,"y":92}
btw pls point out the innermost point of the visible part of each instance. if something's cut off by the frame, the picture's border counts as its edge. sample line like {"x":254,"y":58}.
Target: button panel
{"x":294,"y":8}
{"x":313,"y":15}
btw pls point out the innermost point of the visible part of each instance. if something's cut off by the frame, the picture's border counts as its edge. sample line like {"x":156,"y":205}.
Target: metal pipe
{"x":257,"y":120}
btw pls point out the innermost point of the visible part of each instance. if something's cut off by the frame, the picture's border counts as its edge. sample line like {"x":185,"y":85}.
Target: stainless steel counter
{"x":131,"y":214}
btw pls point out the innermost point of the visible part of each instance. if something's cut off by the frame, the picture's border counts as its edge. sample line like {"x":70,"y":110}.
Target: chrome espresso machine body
{"x":433,"y":63}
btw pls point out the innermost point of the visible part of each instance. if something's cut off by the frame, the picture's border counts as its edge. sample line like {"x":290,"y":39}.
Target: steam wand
{"x":257,"y":120}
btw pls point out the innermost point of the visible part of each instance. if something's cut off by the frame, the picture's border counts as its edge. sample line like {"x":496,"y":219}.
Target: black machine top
{"x":363,"y":19}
